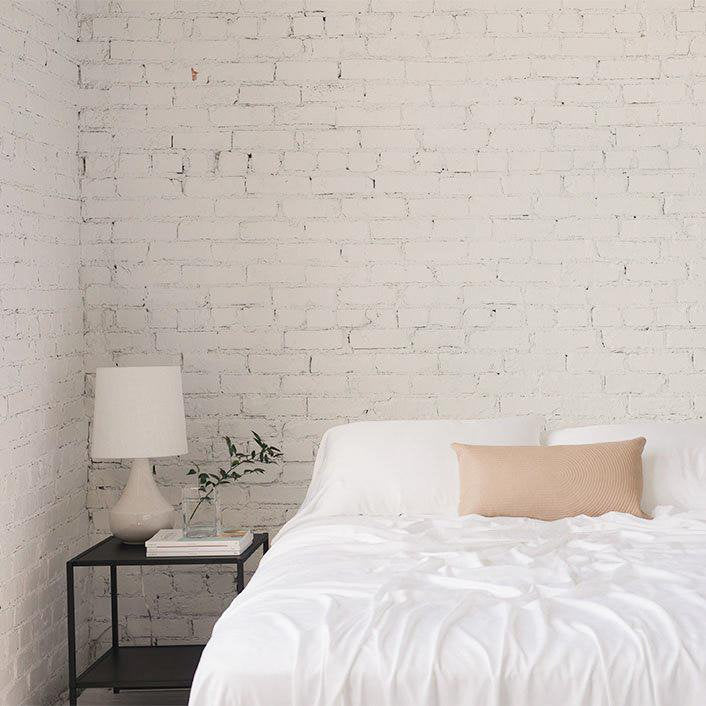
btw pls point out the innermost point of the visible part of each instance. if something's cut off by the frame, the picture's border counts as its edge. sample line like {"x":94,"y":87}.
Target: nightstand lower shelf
{"x":163,"y":667}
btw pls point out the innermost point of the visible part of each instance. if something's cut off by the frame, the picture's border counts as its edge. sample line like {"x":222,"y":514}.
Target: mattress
{"x":471,"y":611}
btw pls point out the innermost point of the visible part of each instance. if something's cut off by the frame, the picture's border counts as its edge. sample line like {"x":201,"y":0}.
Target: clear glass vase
{"x":201,"y":512}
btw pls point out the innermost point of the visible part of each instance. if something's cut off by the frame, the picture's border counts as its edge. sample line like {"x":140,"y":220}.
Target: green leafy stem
{"x":241,"y":463}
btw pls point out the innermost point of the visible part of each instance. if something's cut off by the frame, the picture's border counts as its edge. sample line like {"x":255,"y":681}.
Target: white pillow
{"x":673,"y":462}
{"x":402,"y":467}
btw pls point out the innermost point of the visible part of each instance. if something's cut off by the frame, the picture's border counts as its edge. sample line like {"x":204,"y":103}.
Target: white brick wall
{"x":43,"y":517}
{"x":342,"y":209}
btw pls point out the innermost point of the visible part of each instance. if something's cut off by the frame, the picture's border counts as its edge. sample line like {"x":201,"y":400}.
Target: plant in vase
{"x":200,"y":504}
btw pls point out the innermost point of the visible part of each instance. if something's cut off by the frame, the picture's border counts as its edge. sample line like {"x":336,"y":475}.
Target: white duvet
{"x":468,"y":611}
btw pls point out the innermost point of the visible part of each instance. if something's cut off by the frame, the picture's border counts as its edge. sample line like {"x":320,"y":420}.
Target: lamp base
{"x":142,"y":510}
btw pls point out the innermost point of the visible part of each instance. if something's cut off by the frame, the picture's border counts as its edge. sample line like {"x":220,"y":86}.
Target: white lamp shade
{"x":138,"y":413}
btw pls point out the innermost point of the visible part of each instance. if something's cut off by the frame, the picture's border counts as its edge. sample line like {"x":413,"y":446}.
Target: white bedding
{"x":468,"y":611}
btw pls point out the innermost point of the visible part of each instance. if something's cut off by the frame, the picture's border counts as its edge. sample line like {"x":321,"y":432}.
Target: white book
{"x":173,"y":539}
{"x":193,"y":552}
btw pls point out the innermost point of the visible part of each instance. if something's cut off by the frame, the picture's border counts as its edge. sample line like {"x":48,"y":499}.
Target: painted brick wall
{"x":344,"y":209}
{"x":43,"y":517}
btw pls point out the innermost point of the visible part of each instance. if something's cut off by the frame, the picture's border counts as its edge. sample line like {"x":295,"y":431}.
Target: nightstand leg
{"x":240,"y":579}
{"x":266,"y":545}
{"x":114,"y":610}
{"x":71,"y":625}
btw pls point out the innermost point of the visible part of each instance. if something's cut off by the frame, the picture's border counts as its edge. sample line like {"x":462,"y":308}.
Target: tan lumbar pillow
{"x":551,"y":482}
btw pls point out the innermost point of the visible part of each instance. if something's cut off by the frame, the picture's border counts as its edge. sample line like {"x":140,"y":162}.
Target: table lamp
{"x":139,"y":414}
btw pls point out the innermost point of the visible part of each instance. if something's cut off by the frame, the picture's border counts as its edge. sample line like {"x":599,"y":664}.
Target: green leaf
{"x":231,"y":446}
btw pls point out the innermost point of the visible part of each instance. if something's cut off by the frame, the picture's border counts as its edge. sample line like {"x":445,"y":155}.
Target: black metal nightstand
{"x":158,"y":667}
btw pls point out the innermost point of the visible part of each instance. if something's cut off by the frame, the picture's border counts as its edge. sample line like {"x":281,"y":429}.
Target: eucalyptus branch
{"x":241,"y":463}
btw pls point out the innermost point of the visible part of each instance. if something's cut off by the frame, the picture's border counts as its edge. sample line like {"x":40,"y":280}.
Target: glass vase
{"x":201,"y":512}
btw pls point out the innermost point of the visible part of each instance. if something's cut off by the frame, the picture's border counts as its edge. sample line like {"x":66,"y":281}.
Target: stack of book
{"x":172,"y":542}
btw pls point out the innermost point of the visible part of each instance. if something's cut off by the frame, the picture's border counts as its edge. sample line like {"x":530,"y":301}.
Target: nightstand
{"x":148,"y":667}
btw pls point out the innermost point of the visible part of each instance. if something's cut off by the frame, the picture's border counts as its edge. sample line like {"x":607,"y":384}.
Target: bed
{"x":363,"y":600}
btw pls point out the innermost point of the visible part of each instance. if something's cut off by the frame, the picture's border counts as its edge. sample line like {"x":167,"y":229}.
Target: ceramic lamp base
{"x":142,"y":510}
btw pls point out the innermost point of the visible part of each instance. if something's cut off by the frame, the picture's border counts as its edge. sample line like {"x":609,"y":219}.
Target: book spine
{"x":172,"y":555}
{"x":191,"y":547}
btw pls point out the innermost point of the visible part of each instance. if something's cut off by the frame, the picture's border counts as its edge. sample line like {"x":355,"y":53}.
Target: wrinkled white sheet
{"x":468,"y":611}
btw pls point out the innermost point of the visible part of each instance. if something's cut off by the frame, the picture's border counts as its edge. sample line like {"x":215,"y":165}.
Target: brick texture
{"x":43,"y":516}
{"x":332,"y":210}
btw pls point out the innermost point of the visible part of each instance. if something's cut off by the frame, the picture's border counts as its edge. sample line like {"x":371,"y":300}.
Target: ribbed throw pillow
{"x":551,"y":482}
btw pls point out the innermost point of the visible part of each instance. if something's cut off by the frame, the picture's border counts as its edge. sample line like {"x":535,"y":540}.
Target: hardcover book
{"x":172,"y":542}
